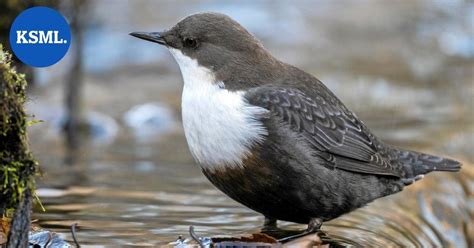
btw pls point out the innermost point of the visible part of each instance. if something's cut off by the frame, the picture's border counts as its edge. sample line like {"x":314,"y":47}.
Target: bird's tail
{"x":417,"y":163}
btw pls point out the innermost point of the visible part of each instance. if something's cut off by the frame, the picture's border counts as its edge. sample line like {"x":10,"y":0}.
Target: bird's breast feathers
{"x":220,"y":126}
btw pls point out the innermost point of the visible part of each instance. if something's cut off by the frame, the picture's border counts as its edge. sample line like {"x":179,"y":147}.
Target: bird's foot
{"x":313,"y":227}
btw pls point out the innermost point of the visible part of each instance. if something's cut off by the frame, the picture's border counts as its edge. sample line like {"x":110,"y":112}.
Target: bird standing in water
{"x":274,"y":137}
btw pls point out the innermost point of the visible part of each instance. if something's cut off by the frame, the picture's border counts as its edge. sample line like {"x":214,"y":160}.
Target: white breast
{"x":220,"y":126}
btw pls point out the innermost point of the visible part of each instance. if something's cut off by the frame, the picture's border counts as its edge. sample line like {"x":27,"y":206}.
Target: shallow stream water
{"x":405,"y":68}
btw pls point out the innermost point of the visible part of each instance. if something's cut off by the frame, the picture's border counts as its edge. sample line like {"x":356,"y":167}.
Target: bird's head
{"x":213,"y":40}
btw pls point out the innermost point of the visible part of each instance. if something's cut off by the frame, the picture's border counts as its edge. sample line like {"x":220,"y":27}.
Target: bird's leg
{"x":313,"y":226}
{"x":269,"y":224}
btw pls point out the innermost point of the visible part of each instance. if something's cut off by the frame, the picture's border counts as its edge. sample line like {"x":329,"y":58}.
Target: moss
{"x":17,"y":166}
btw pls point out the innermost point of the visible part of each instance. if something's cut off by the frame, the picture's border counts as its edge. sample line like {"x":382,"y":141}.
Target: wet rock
{"x":148,"y":120}
{"x":40,"y":239}
{"x":254,"y":240}
{"x":102,"y":129}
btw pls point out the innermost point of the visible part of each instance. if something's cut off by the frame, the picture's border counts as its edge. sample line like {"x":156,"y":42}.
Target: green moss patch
{"x":17,"y":166}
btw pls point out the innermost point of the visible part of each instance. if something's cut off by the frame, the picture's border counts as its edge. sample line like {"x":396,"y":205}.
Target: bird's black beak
{"x":156,"y":37}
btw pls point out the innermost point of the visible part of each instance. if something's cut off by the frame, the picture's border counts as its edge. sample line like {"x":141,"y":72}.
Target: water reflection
{"x":406,"y":69}
{"x":161,"y":204}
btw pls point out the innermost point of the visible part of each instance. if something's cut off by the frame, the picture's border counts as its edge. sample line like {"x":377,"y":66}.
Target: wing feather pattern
{"x":336,"y":134}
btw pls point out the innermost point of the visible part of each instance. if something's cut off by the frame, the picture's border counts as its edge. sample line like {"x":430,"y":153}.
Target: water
{"x":126,"y":198}
{"x":405,"y":69}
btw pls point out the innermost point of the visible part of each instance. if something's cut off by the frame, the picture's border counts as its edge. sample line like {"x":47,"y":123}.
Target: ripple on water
{"x":109,"y":215}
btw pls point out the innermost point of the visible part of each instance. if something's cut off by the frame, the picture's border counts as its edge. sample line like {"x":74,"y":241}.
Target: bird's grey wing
{"x":336,"y":134}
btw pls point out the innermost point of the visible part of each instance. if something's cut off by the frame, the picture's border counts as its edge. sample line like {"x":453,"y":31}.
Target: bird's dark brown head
{"x":217,"y":42}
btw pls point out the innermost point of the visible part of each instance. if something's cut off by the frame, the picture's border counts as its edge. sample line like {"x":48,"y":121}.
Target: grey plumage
{"x":318,"y":159}
{"x":339,"y":137}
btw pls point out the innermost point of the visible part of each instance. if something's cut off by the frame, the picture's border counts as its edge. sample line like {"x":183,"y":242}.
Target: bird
{"x":273,"y":137}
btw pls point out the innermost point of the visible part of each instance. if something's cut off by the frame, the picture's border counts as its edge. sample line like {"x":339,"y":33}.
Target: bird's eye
{"x":191,"y":43}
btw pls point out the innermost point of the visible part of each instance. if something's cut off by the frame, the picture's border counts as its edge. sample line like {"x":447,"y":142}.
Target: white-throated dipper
{"x":272,"y":136}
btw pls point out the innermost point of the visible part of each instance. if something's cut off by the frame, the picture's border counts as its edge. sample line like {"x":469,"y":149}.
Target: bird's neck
{"x":249,"y":71}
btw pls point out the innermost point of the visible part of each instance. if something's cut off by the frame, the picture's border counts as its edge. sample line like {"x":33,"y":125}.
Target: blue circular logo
{"x":40,"y":36}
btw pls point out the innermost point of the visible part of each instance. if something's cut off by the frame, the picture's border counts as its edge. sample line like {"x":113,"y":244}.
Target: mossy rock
{"x":17,"y":166}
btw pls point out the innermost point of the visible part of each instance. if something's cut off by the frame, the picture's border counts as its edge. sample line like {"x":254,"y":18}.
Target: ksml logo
{"x":40,"y":36}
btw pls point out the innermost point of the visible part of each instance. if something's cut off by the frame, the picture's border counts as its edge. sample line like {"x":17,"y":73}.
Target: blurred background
{"x":112,"y":149}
